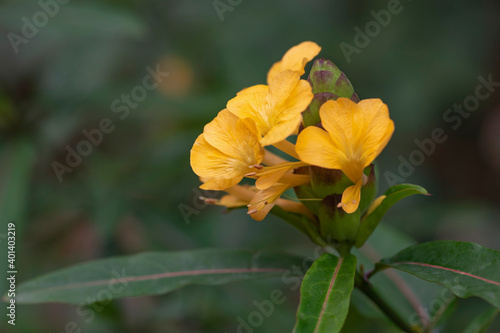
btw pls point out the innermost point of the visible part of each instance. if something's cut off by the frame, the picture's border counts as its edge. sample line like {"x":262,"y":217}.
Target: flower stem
{"x":372,"y":294}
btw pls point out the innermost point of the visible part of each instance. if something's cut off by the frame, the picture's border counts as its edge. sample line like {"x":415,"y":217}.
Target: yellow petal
{"x":375,"y":204}
{"x":289,"y":95}
{"x":359,"y":132}
{"x":282,"y":86}
{"x":226,"y":150}
{"x":260,"y":214}
{"x":216,"y":135}
{"x":379,"y":127}
{"x":230,"y":201}
{"x":243,"y":192}
{"x":236,"y":138}
{"x":220,"y":184}
{"x":264,"y":201}
{"x":299,"y":99}
{"x":351,"y":197}
{"x":295,"y":59}
{"x":277,"y":109}
{"x":251,"y":103}
{"x":209,"y":162}
{"x":281,"y":130}
{"x":314,"y":146}
{"x":288,"y":98}
{"x":343,"y":120}
{"x":268,"y":176}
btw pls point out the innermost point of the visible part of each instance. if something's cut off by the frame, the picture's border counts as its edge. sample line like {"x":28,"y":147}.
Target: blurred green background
{"x":136,"y":192}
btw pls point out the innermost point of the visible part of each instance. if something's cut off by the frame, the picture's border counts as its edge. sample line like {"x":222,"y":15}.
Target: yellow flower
{"x":231,"y":146}
{"x":264,"y":200}
{"x":277,"y":108}
{"x":227,"y":150}
{"x":355,"y":135}
{"x":295,"y":59}
{"x":259,"y":203}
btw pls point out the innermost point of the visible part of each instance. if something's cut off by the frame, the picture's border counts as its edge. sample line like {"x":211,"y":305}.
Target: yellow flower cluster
{"x":232,"y":146}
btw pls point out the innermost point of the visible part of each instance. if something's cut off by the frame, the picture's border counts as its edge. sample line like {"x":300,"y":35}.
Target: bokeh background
{"x":136,"y":192}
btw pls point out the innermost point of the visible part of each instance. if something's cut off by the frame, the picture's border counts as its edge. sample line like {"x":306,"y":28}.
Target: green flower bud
{"x":323,"y":76}
{"x":327,"y":82}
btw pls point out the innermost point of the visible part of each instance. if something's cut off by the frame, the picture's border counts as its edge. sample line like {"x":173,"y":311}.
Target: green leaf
{"x":467,"y":269}
{"x":481,"y":323}
{"x":325,"y":294}
{"x":152,"y":273}
{"x":408,"y":295}
{"x":372,"y":218}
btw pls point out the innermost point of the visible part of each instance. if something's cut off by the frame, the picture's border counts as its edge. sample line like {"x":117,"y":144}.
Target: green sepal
{"x":325,"y":182}
{"x":375,"y":213}
{"x":308,"y":198}
{"x":336,"y":226}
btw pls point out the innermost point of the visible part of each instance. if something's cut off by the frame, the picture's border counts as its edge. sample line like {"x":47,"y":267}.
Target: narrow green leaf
{"x":152,"y":273}
{"x":481,"y":323}
{"x":467,"y":269}
{"x":392,"y":195}
{"x":325,"y":294}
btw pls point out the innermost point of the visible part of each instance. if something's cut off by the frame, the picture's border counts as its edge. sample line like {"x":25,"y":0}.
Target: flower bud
{"x":336,"y":226}
{"x":327,"y":82}
{"x":323,"y":76}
